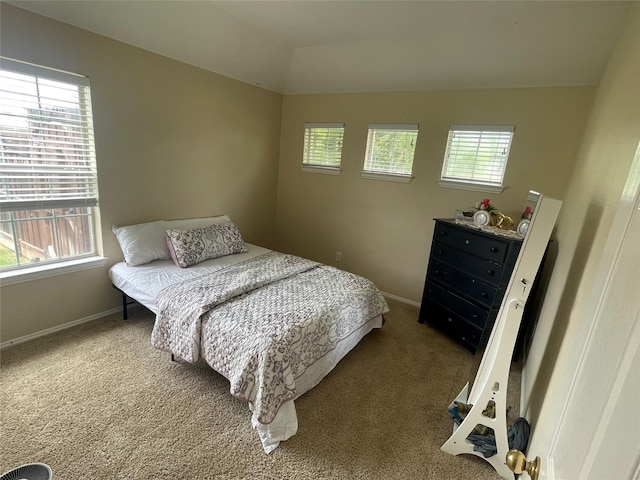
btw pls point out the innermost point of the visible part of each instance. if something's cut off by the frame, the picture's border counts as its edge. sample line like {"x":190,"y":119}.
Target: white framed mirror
{"x":492,"y":377}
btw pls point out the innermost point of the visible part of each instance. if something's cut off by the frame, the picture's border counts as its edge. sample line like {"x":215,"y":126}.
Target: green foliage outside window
{"x":390,"y":151}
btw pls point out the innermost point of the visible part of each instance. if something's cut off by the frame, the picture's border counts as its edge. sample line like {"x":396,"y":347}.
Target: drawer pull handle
{"x":466,"y":242}
{"x":443,"y":233}
{"x":494,"y":250}
{"x":475,"y":316}
{"x":484,"y":295}
{"x":449,"y":319}
{"x":490,"y":272}
{"x":439,"y":252}
{"x":464,"y":339}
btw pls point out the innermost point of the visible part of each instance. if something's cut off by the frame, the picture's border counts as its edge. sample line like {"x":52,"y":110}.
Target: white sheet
{"x":143,"y":282}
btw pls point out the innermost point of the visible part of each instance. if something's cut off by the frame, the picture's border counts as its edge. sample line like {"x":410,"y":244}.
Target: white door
{"x":599,"y":435}
{"x":615,"y":449}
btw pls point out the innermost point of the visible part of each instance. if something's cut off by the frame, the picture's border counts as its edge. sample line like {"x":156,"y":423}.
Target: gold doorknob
{"x":517,"y":463}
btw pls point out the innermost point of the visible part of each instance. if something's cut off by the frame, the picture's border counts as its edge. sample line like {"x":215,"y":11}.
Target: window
{"x":48,"y":180}
{"x":390,"y":151}
{"x":322,"y":147}
{"x":477,"y":156}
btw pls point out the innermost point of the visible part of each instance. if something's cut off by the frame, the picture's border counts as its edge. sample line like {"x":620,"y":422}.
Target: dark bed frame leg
{"x":173,"y":359}
{"x":125,"y":303}
{"x":125,"y":313}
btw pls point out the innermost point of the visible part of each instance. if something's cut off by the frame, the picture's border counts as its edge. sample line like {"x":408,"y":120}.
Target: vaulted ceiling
{"x":295,"y":47}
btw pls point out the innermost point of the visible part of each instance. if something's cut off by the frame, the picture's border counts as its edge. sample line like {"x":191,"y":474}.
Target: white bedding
{"x":143,"y":283}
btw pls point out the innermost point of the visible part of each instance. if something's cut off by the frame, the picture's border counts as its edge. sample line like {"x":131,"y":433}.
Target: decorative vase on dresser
{"x":468,"y":273}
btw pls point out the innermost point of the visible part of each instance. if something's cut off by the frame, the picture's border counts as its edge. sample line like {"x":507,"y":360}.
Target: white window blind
{"x":47,"y":155}
{"x":323,"y":144}
{"x":48,"y":184}
{"x":477,"y":154}
{"x":390,"y":149}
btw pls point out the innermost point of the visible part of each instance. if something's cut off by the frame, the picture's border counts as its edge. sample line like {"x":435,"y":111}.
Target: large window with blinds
{"x":390,"y":151}
{"x":477,"y":154}
{"x":322,"y":147}
{"x":48,"y":180}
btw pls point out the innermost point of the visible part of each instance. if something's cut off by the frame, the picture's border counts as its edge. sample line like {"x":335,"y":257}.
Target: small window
{"x":477,"y":156}
{"x":390,"y":151}
{"x":322,"y":147}
{"x":48,"y":182}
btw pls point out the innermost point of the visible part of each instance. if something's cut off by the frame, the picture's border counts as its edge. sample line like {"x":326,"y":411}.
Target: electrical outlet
{"x":338,"y":256}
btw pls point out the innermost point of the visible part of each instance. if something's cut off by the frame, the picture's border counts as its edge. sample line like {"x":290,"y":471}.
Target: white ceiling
{"x":336,"y":46}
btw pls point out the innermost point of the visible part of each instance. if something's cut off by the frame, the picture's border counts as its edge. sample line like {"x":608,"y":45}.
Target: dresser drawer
{"x":463,"y":283}
{"x":456,"y":304}
{"x":485,"y":270}
{"x":472,"y":242}
{"x":451,"y":324}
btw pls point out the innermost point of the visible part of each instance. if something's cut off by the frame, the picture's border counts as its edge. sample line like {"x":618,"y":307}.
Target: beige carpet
{"x":98,"y":402}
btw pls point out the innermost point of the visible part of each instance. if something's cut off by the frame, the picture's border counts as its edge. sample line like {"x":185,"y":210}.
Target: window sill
{"x":321,"y":169}
{"x":50,"y":270}
{"x":387,"y":177}
{"x":476,"y":187}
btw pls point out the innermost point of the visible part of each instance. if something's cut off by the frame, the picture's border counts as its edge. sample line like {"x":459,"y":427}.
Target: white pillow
{"x":142,"y":243}
{"x":145,"y":242}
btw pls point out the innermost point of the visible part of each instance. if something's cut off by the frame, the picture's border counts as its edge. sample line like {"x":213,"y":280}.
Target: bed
{"x":273,"y":324}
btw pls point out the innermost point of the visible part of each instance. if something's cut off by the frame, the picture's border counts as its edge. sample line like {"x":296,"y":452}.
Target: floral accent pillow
{"x":190,"y":247}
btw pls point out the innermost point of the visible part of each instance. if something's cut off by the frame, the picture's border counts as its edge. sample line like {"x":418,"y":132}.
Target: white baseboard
{"x":401,"y":299}
{"x":58,"y":328}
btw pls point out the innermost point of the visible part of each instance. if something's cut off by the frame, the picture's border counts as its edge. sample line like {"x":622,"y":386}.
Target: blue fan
{"x":31,"y":471}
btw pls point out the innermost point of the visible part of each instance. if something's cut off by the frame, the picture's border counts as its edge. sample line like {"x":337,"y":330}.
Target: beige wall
{"x":594,"y":191}
{"x":384,"y":229}
{"x":172,"y":141}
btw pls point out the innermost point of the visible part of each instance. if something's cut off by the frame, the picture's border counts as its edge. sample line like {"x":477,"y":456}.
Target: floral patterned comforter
{"x":262,"y":322}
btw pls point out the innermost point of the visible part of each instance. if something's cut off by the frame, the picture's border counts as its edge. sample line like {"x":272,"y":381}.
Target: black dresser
{"x":469,"y":271}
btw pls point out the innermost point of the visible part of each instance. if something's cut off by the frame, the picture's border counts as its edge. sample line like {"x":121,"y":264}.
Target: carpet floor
{"x":97,"y":401}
